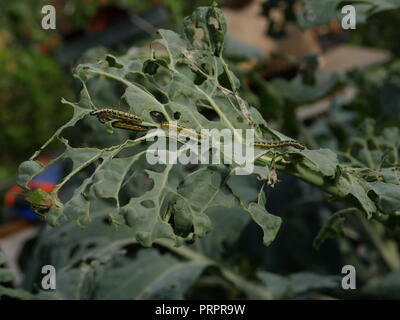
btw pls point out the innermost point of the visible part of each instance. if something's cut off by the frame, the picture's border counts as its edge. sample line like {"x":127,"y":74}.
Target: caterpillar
{"x":105,"y":115}
{"x":279,"y":144}
{"x":128,"y":126}
{"x":188,"y":132}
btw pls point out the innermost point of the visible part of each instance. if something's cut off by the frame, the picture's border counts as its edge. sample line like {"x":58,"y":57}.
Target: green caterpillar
{"x":279,"y":144}
{"x":105,"y":115}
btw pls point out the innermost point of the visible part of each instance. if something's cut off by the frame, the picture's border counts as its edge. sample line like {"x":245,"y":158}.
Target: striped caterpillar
{"x":188,"y":132}
{"x":160,"y":118}
{"x":279,"y":144}
{"x":105,"y":115}
{"x":125,"y":120}
{"x":128,"y":126}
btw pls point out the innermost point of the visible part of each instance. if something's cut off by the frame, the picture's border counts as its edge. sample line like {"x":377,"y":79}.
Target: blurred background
{"x":317,"y":84}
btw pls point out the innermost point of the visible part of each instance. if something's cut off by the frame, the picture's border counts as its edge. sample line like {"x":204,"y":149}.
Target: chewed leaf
{"x":213,"y":23}
{"x":188,"y":87}
{"x":108,"y":180}
{"x":146,"y":213}
{"x":172,"y":207}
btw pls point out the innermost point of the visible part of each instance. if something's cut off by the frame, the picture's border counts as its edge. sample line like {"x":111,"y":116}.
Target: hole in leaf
{"x":224,"y":81}
{"x":135,"y":185}
{"x":100,"y":91}
{"x":137,"y":181}
{"x":208,"y":113}
{"x":150,"y":67}
{"x":207,"y":68}
{"x":177,"y":115}
{"x":160,"y":96}
{"x":199,"y":79}
{"x":213,"y":21}
{"x":147,"y":85}
{"x":112,"y":62}
{"x":66,"y":192}
{"x":372,"y":195}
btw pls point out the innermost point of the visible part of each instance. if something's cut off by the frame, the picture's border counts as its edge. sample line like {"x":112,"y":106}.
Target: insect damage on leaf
{"x":119,"y":119}
{"x":163,"y":89}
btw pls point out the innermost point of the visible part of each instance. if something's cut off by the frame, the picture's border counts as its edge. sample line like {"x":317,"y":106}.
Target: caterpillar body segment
{"x":279,"y":144}
{"x":128,"y":126}
{"x":107,"y":114}
{"x":103,"y":119}
{"x":179,"y":129}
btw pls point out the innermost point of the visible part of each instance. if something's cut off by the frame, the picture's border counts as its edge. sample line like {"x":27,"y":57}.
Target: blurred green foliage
{"x":32,"y":84}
